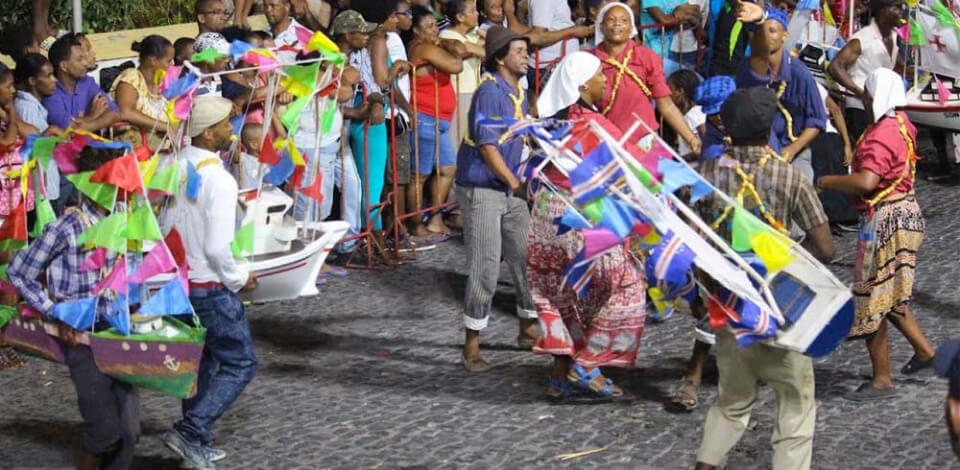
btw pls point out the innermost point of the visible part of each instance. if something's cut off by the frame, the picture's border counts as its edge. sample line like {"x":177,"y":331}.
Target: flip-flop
{"x":867,"y":392}
{"x":435,"y":238}
{"x":687,"y":396}
{"x":915,"y":365}
{"x":335,"y":271}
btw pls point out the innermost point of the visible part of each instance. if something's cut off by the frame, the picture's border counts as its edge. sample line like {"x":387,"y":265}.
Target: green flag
{"x":108,"y":233}
{"x":102,"y":193}
{"x":43,"y":150}
{"x":143,"y":224}
{"x":594,"y":210}
{"x":291,"y":117}
{"x":3,"y":272}
{"x":165,"y":179}
{"x":745,"y":227}
{"x":12,"y":244}
{"x":943,"y":14}
{"x":328,"y":116}
{"x":301,"y":80}
{"x":44,"y":215}
{"x":243,"y":241}
{"x":917,"y":36}
{"x":735,"y":36}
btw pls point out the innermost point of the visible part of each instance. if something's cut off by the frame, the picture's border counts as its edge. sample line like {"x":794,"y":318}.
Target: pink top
{"x":883,"y":152}
{"x":630,"y":98}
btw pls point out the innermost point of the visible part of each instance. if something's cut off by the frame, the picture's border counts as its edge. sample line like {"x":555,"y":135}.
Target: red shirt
{"x":629,"y":99}
{"x":883,"y":152}
{"x":426,"y":91}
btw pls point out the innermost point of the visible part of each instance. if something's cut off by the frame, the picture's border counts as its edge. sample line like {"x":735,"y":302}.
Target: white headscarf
{"x":886,"y":88}
{"x":598,"y":36}
{"x":563,"y":87}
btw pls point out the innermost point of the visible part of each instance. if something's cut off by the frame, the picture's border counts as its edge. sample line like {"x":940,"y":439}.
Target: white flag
{"x":942,"y":52}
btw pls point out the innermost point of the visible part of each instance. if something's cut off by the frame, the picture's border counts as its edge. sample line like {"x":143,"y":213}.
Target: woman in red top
{"x":635,"y":78}
{"x":891,"y":231}
{"x":603,"y":328}
{"x":434,"y":101}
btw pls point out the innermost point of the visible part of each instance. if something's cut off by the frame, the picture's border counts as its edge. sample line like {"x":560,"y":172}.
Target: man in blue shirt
{"x":78,"y":101}
{"x":802,"y":115}
{"x":496,"y":217}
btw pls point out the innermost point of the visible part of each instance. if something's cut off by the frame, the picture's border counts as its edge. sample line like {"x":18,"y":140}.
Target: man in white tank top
{"x":872,"y":47}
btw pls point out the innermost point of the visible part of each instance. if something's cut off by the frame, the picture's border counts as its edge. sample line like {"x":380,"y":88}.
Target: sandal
{"x":593,"y":381}
{"x":687,"y":395}
{"x":475,"y":364}
{"x":915,"y":365}
{"x":867,"y":392}
{"x":558,"y":389}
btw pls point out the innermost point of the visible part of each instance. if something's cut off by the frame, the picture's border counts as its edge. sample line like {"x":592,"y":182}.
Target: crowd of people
{"x":413,"y":162}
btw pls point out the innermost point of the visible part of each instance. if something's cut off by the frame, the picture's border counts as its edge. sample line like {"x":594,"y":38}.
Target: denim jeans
{"x":227,"y":366}
{"x":110,"y":410}
{"x":338,"y":171}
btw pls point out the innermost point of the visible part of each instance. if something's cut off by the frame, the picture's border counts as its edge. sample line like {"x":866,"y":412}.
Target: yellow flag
{"x":148,"y":168}
{"x":295,"y":156}
{"x":912,"y":3}
{"x":773,"y":249}
{"x":827,"y":15}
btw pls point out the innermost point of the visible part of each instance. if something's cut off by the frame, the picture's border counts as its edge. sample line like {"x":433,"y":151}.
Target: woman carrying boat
{"x":137,"y":93}
{"x":605,"y":327}
{"x":635,"y":78}
{"x":891,"y":230}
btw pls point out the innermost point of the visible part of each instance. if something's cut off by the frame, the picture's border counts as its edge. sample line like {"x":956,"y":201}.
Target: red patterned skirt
{"x":602,"y":329}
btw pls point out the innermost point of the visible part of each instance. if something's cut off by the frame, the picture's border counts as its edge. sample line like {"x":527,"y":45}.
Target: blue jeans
{"x":227,"y":366}
{"x":336,"y":171}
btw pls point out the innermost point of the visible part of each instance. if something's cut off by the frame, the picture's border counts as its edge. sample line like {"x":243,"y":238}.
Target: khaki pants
{"x":789,"y":373}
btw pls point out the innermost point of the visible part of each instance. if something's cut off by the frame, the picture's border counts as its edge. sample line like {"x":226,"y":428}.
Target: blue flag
{"x":193,"y":182}
{"x":238,"y":48}
{"x":280,"y":172}
{"x":579,"y":274}
{"x":171,"y":299}
{"x":671,"y":260}
{"x":119,"y":314}
{"x":617,"y":217}
{"x":79,"y":314}
{"x":570,"y":220}
{"x":598,"y":171}
{"x":180,"y":86}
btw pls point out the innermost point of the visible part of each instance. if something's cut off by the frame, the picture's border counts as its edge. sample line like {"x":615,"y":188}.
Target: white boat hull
{"x":286,"y":275}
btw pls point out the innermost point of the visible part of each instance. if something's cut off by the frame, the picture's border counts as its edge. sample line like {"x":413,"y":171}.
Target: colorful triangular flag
{"x":122,"y":172}
{"x":165,"y":179}
{"x":107,"y":233}
{"x":242,"y":244}
{"x":96,"y":260}
{"x":105,"y":195}
{"x":143,"y":224}
{"x":116,"y":280}
{"x":43,"y":215}
{"x":158,"y":261}
{"x":118,"y":314}
{"x":13,"y":231}
{"x":79,"y":314}
{"x":171,"y":299}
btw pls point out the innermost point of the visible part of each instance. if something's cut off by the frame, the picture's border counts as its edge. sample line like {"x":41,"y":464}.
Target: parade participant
{"x":947,"y":364}
{"x":138,"y":96}
{"x":872,"y":47}
{"x":891,"y":231}
{"x":434,"y":101}
{"x":635,"y":79}
{"x":604,"y":328}
{"x":801,"y":115}
{"x":496,"y":218}
{"x":205,"y":221}
{"x":78,"y":101}
{"x":211,"y":16}
{"x":110,"y":408}
{"x":783,"y":193}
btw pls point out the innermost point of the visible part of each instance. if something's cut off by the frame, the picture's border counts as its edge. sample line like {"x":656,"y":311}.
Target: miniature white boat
{"x":287,"y":255}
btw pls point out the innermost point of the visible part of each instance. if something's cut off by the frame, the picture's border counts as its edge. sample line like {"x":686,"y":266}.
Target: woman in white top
{"x":464,"y":20}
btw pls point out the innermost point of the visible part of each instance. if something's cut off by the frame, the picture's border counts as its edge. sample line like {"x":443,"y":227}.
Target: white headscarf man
{"x":598,"y":37}
{"x":886,"y":91}
{"x":563,"y":87}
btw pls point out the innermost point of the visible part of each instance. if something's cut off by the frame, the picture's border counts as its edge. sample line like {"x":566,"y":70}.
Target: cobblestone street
{"x":367,"y":376}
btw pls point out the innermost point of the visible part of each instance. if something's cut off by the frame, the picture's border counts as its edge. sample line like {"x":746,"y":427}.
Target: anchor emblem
{"x":171,"y":363}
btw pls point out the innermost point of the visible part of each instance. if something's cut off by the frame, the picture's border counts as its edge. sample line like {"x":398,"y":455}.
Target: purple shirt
{"x":62,"y":106}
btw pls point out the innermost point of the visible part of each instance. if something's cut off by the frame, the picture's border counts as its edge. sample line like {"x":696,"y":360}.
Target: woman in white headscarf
{"x":891,"y":231}
{"x":603,"y":328}
{"x":635,"y":78}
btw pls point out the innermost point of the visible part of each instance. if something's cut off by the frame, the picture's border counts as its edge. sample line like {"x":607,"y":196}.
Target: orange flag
{"x":13,"y":232}
{"x":122,"y":172}
{"x":313,"y":191}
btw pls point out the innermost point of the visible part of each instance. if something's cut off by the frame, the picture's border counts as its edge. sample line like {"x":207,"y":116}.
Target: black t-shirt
{"x":721,"y":62}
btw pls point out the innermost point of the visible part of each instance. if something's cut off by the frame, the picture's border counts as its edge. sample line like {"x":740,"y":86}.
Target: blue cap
{"x":713,"y":92}
{"x":779,"y":15}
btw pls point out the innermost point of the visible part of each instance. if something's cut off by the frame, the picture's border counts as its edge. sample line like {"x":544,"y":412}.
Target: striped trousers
{"x":496,"y":227}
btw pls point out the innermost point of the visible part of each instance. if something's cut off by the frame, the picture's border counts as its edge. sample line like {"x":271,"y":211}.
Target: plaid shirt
{"x":57,"y":252}
{"x":785,"y":192}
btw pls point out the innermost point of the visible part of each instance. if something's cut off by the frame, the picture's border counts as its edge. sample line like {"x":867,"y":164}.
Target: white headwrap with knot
{"x":599,"y":37}
{"x":563,"y":87}
{"x":887,"y":90}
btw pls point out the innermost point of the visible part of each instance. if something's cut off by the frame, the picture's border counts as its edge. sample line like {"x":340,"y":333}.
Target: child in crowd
{"x":710,"y":95}
{"x":492,"y":14}
{"x":247,"y":168}
{"x":683,"y":88}
{"x":182,"y":50}
{"x":110,"y":408}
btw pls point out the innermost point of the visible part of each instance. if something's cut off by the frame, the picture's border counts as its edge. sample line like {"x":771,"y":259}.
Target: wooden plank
{"x":115,"y":45}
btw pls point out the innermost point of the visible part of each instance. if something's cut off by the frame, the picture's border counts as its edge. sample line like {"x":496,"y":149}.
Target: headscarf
{"x":779,"y":16}
{"x":208,"y":110}
{"x":713,"y":92}
{"x":886,"y":88}
{"x":598,"y":36}
{"x":563,"y":87}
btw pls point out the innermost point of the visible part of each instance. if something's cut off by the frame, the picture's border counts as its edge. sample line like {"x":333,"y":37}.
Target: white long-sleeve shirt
{"x":207,"y":225}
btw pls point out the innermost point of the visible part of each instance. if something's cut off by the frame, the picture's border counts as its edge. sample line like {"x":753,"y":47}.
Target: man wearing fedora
{"x":492,"y":198}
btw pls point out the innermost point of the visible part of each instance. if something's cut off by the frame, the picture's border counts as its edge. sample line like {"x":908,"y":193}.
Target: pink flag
{"x":65,"y":153}
{"x":116,"y":280}
{"x":943,"y":95}
{"x":173,"y":73}
{"x":181,"y":107}
{"x":158,"y":261}
{"x":303,"y":35}
{"x":904,"y":32}
{"x":95,"y":261}
{"x":598,"y":240}
{"x":262,"y":59}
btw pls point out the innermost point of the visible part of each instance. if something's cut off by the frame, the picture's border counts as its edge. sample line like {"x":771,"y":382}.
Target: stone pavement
{"x":367,"y":376}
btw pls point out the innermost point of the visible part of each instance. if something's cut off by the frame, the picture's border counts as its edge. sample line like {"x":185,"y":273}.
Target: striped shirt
{"x":785,"y":192}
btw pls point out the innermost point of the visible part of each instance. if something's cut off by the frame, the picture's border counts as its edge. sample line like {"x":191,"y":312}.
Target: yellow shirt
{"x":469,"y":78}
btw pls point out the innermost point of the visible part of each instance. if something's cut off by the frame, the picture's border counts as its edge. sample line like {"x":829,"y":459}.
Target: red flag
{"x":175,"y":245}
{"x":313,"y":191}
{"x":297,"y":177}
{"x":268,"y":155}
{"x":143,"y":153}
{"x":122,"y":172}
{"x":15,"y":225}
